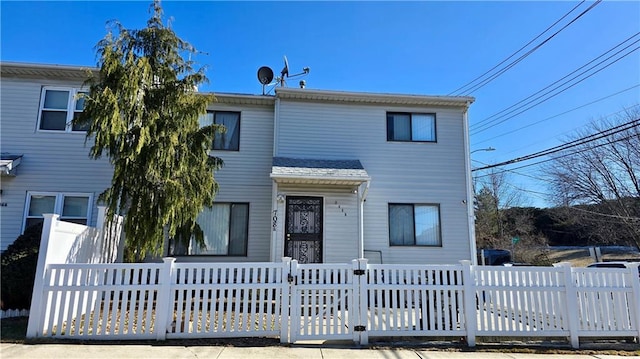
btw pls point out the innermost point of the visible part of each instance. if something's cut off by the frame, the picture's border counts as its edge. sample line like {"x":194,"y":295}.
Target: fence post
{"x":571,"y":308}
{"x":285,"y":289}
{"x":360,"y":302}
{"x":164,"y":305}
{"x":294,"y":304}
{"x":635,"y":284}
{"x":102,"y":214}
{"x":469,"y":292}
{"x":36,"y":315}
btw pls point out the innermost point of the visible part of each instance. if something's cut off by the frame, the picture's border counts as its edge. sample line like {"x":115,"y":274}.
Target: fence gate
{"x":321,"y":296}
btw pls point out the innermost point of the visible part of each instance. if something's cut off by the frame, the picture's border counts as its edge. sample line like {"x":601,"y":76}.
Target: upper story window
{"x":230,"y":140}
{"x":415,"y":127}
{"x":58,"y":107}
{"x":72,"y":207}
{"x":414,"y":225}
{"x":226,"y":231}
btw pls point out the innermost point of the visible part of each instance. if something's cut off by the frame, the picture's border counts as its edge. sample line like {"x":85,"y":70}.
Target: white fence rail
{"x":333,"y":301}
{"x":226,"y":300}
{"x":14,"y":313}
{"x":415,"y":300}
{"x":69,"y":260}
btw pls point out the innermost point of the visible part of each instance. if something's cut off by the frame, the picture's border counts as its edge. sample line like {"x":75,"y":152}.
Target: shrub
{"x":18,"y":269}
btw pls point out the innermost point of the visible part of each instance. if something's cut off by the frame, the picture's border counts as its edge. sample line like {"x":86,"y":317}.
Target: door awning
{"x":316,"y":171}
{"x":8,"y":163}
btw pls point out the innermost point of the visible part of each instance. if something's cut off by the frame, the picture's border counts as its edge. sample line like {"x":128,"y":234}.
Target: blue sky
{"x":429,"y":48}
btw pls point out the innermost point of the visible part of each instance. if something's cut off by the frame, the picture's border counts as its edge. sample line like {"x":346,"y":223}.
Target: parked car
{"x":516,"y":264}
{"x":610,"y":265}
{"x":494,"y":257}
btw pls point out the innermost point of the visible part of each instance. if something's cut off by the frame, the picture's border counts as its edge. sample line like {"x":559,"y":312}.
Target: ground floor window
{"x":414,"y":224}
{"x":71,"y":207}
{"x":226,"y":231}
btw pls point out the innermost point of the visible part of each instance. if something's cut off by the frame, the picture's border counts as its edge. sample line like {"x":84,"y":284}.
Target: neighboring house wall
{"x":401,"y":172}
{"x":52,"y":162}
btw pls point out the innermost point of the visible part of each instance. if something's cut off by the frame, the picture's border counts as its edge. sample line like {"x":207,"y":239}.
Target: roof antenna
{"x":284,"y":72}
{"x":265,"y":76}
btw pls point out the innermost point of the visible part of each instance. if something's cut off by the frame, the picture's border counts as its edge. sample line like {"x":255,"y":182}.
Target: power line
{"x":630,"y":108}
{"x":564,"y":83}
{"x":517,"y":51}
{"x":568,"y":145}
{"x":569,"y":74}
{"x":555,"y":158}
{"x":539,"y":194}
{"x":520,"y":106}
{"x":550,"y":159}
{"x":516,"y":173}
{"x":484,"y":82}
{"x":564,"y":113}
{"x":606,"y":215}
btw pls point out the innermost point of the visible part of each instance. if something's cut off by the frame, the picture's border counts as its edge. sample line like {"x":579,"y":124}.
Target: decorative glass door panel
{"x":303,"y":229}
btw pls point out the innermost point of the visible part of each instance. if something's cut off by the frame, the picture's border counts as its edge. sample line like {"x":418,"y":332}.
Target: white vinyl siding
{"x":51,"y":162}
{"x":244,"y":178}
{"x":401,"y":172}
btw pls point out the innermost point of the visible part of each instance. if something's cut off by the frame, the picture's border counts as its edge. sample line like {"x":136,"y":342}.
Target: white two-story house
{"x":320,"y":176}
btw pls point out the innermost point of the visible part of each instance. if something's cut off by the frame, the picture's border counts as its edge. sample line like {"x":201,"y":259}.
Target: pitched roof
{"x":318,"y":171}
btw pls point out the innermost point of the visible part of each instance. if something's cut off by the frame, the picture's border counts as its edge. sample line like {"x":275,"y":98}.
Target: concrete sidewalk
{"x":67,"y":351}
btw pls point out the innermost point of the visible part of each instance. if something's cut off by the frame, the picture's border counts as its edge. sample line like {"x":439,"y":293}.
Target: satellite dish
{"x":265,"y":75}
{"x":285,"y":70}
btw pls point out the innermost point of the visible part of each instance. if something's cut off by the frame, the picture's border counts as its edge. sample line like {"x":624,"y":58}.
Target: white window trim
{"x":71,"y":107}
{"x":58,"y":205}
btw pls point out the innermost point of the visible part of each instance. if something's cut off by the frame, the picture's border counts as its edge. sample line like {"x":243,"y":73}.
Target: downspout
{"x":276,"y":130}
{"x":470,"y":191}
{"x":274,"y":186}
{"x":362,"y":197}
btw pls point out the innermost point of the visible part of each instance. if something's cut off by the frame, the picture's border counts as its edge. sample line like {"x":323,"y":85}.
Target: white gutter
{"x":470,"y":192}
{"x":362,"y":197}
{"x":293,"y":177}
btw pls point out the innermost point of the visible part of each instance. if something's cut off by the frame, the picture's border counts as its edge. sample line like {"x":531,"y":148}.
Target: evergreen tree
{"x":143,"y":109}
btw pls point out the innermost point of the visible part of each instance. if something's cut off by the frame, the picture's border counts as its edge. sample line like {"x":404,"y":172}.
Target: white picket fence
{"x":14,"y":313}
{"x":333,"y":301}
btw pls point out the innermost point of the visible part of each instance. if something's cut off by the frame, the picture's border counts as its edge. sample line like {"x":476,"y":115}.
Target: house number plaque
{"x":274,"y":220}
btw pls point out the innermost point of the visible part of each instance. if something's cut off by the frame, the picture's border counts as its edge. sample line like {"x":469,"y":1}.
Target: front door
{"x":303,"y":229}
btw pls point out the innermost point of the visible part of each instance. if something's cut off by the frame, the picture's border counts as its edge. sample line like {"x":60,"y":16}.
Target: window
{"x":226,"y":230}
{"x":414,"y":225}
{"x":72,"y":207}
{"x":416,"y":127}
{"x":58,"y":107}
{"x":230,"y":140}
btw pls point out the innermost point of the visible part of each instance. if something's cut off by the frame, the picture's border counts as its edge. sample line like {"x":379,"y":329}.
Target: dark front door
{"x":303,"y":229}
